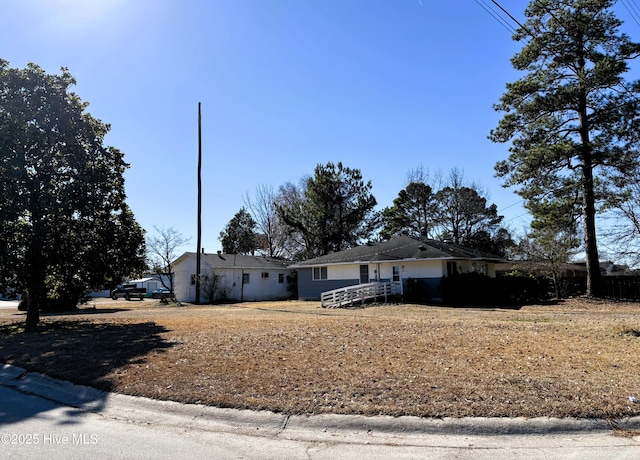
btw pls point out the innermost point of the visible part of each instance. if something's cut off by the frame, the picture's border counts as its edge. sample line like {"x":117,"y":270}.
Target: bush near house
{"x":418,"y":291}
{"x":477,"y":289}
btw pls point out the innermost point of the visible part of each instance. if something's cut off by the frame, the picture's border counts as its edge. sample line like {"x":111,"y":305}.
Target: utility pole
{"x":199,"y":205}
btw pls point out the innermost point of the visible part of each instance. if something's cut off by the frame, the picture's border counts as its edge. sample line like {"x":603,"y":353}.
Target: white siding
{"x":343,"y":272}
{"x":422,"y":269}
{"x":258,"y":288}
{"x":384,"y":270}
{"x":408,"y":269}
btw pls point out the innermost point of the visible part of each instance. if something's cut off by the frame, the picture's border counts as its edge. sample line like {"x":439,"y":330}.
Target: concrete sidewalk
{"x":348,"y":436}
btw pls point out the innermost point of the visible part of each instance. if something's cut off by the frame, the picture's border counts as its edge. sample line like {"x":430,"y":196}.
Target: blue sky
{"x":380,"y":85}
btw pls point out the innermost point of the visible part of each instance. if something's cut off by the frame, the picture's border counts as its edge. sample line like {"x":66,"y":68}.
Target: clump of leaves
{"x":628,"y":331}
{"x":12,"y":329}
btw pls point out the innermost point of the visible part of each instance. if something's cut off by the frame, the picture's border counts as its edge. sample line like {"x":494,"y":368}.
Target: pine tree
{"x":572,"y":116}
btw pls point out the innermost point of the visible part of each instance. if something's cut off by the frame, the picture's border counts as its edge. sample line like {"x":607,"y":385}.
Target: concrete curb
{"x":142,"y":410}
{"x":45,"y":387}
{"x":463,"y":426}
{"x":9,"y":373}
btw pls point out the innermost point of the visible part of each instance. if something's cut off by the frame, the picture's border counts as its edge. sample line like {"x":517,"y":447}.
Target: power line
{"x":516,"y":217}
{"x":635,"y":7}
{"x":632,"y":8}
{"x":510,"y":206}
{"x":495,"y":15}
{"x":508,"y":14}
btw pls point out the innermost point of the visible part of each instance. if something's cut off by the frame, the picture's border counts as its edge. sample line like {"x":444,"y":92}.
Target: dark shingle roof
{"x":400,"y":248}
{"x":236,"y":261}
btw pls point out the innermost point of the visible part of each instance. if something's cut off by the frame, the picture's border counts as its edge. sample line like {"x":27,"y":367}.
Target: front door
{"x":364,"y":274}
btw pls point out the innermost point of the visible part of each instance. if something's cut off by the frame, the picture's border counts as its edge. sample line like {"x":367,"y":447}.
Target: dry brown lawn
{"x":577,"y":358}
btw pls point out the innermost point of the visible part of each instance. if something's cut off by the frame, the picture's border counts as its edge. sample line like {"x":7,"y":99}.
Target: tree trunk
{"x":35,"y":283}
{"x":588,"y":200}
{"x":589,"y":228}
{"x":36,"y":293}
{"x":33,"y":313}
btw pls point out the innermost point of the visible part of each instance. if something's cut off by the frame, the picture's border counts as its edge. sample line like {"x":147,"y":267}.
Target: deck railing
{"x":358,"y":293}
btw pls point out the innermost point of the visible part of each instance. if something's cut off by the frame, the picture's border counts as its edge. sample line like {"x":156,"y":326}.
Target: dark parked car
{"x":128,"y":291}
{"x":161,"y":294}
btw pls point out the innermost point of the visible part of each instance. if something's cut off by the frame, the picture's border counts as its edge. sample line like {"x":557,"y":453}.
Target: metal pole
{"x":199,"y":205}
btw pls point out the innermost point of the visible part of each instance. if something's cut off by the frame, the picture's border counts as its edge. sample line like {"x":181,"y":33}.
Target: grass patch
{"x":532,"y":320}
{"x":563,"y":360}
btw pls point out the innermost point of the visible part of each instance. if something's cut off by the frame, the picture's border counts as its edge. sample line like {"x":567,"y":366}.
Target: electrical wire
{"x":633,"y":10}
{"x":634,"y":6}
{"x":516,"y":217}
{"x":495,"y":15}
{"x":510,"y":206}
{"x":508,"y":14}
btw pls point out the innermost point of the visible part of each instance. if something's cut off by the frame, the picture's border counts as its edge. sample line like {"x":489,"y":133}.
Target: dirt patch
{"x":577,"y":358}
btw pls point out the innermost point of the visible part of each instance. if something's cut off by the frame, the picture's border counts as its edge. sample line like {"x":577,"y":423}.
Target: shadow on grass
{"x":83,"y":311}
{"x":81,"y":352}
{"x":503,"y":306}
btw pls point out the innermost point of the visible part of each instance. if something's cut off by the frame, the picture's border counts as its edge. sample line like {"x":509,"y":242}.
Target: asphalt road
{"x":45,"y":418}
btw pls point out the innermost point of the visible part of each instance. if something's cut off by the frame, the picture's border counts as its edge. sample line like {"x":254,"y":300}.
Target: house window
{"x":280,"y":278}
{"x":396,"y":272}
{"x":245,"y":278}
{"x":265,"y":275}
{"x":452,"y":269}
{"x":319,"y":273}
{"x":193,"y":280}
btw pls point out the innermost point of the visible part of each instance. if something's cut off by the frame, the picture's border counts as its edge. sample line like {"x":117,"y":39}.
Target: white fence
{"x":358,"y":293}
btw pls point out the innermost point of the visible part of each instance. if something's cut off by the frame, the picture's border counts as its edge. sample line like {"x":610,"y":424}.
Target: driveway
{"x":13,"y":304}
{"x":9,"y":304}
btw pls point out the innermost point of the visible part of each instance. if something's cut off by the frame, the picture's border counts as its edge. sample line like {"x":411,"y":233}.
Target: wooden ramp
{"x":358,"y":293}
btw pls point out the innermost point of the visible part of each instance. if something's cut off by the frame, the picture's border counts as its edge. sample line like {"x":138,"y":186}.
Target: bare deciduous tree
{"x":213,"y":286}
{"x":161,"y":252}
{"x":622,"y":234}
{"x":547,"y":252}
{"x":272,"y":237}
